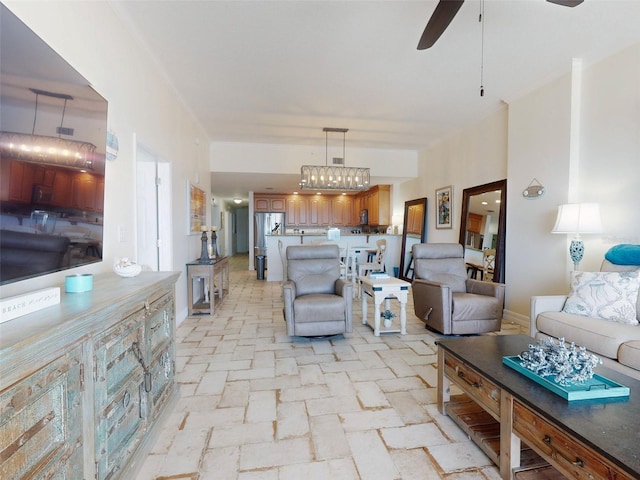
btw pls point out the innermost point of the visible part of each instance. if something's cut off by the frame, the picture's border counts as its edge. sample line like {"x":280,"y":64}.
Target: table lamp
{"x":578,"y":219}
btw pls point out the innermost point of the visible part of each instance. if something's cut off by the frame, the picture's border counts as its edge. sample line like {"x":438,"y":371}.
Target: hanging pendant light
{"x":45,"y":149}
{"x":336,"y":176}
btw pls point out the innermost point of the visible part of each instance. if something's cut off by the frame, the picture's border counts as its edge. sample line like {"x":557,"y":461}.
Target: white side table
{"x":384,"y":289}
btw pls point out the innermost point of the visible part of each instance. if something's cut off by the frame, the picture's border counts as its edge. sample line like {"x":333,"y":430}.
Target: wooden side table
{"x":207,"y":284}
{"x":384,"y":289}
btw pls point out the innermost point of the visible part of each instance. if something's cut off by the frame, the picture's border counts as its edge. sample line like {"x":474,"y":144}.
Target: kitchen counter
{"x":312,"y":234}
{"x":277,"y":244}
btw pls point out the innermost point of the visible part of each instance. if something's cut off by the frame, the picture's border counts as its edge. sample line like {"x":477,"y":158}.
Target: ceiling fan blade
{"x":566,"y":3}
{"x":439,"y":21}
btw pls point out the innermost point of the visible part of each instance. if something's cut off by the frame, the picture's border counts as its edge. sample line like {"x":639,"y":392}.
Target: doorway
{"x":153,"y":211}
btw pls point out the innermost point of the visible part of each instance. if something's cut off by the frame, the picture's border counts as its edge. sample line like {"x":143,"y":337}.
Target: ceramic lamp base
{"x":576,"y":252}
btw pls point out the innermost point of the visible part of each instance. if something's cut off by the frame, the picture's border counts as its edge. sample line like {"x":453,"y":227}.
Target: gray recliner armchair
{"x":446,"y":300}
{"x":317,"y":302}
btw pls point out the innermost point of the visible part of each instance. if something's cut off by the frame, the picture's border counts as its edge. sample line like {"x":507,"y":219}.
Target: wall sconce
{"x":577,"y":219}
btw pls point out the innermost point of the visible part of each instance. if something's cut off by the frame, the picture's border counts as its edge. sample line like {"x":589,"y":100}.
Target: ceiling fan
{"x":447,"y":9}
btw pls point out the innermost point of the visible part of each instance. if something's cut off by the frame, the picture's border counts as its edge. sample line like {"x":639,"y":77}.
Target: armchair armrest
{"x":544,"y":303}
{"x":344,"y":288}
{"x":432,"y":303}
{"x":489,"y":289}
{"x":289,"y":295}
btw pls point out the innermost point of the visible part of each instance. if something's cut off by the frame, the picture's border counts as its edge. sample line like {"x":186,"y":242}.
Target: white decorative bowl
{"x":130,"y":270}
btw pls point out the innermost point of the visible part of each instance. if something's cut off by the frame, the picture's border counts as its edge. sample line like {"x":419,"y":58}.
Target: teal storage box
{"x":78,"y":283}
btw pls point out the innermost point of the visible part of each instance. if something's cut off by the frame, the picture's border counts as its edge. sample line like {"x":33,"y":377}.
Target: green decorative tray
{"x":596,"y":387}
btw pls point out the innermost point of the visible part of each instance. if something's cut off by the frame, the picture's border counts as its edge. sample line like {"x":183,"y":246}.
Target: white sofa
{"x":617,"y":344}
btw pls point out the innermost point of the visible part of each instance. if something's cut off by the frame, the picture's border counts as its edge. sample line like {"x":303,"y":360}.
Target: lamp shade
{"x":578,"y":218}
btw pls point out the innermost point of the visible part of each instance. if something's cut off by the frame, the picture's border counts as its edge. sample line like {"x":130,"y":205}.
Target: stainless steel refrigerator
{"x":267,"y":223}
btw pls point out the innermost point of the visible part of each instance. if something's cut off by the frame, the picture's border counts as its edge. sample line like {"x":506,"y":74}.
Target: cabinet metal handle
{"x":148,"y":382}
{"x":473,"y":384}
{"x":578,"y":462}
{"x":126,"y":399}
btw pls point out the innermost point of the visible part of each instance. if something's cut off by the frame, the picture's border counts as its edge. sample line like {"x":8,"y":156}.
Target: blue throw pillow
{"x":624,"y":254}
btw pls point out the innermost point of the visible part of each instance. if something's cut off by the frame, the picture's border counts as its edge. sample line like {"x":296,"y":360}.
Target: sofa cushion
{"x":629,"y":354}
{"x":597,"y":335}
{"x":607,"y":295}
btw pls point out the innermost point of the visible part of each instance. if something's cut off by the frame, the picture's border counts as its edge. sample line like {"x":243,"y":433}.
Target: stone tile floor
{"x":256,"y":404}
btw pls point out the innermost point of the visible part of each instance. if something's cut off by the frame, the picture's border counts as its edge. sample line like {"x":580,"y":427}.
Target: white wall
{"x":610,"y":147}
{"x":531,"y":138}
{"x":287,"y":159}
{"x":93,"y":39}
{"x":607,"y":171}
{"x":539,"y":128}
{"x":475,"y":156}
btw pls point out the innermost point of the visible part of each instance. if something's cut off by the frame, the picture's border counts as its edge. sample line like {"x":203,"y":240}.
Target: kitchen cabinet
{"x":377,"y":200}
{"x":269,"y":203}
{"x":61,"y":196}
{"x":44,"y":176}
{"x":329,"y":210}
{"x":16,"y":180}
{"x":297,"y":210}
{"x":84,"y":386}
{"x":475,"y":223}
{"x":342,"y":211}
{"x":100,"y":195}
{"x":415,"y":219}
{"x":319,"y":211}
{"x":83,"y":190}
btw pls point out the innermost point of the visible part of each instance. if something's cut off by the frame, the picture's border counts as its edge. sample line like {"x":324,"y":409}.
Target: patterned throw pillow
{"x":607,"y":295}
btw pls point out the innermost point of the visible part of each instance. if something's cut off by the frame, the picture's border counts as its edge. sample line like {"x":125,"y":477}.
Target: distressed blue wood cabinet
{"x":84,"y":385}
{"x":41,"y":422}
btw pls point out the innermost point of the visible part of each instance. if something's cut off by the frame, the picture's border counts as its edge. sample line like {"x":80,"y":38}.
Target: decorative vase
{"x":204,"y":254}
{"x":214,"y":244}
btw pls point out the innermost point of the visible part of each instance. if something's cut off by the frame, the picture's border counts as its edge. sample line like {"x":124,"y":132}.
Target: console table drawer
{"x":568,"y":455}
{"x":473,"y":384}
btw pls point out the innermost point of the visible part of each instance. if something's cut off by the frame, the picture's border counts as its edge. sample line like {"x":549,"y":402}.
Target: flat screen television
{"x":53,"y":134}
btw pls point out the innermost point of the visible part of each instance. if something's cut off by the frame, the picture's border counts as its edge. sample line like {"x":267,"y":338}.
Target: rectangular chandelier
{"x":47,"y":150}
{"x":323,"y":177}
{"x":332,"y":177}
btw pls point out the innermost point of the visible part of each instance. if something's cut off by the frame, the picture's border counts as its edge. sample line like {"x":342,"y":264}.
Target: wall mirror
{"x":483,"y":229}
{"x":414,"y":231}
{"x":52,"y":158}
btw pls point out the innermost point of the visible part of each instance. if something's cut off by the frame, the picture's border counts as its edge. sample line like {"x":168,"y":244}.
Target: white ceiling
{"x":280,"y":71}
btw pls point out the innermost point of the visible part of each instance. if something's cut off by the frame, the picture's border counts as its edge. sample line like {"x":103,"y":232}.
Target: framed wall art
{"x":444,"y":207}
{"x":196,"y":209}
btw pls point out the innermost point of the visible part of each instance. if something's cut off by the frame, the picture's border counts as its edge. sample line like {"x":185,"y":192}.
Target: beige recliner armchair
{"x":446,"y":300}
{"x":317,"y":302}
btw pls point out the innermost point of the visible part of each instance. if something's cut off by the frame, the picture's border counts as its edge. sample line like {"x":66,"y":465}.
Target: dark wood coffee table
{"x":515,"y":420}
